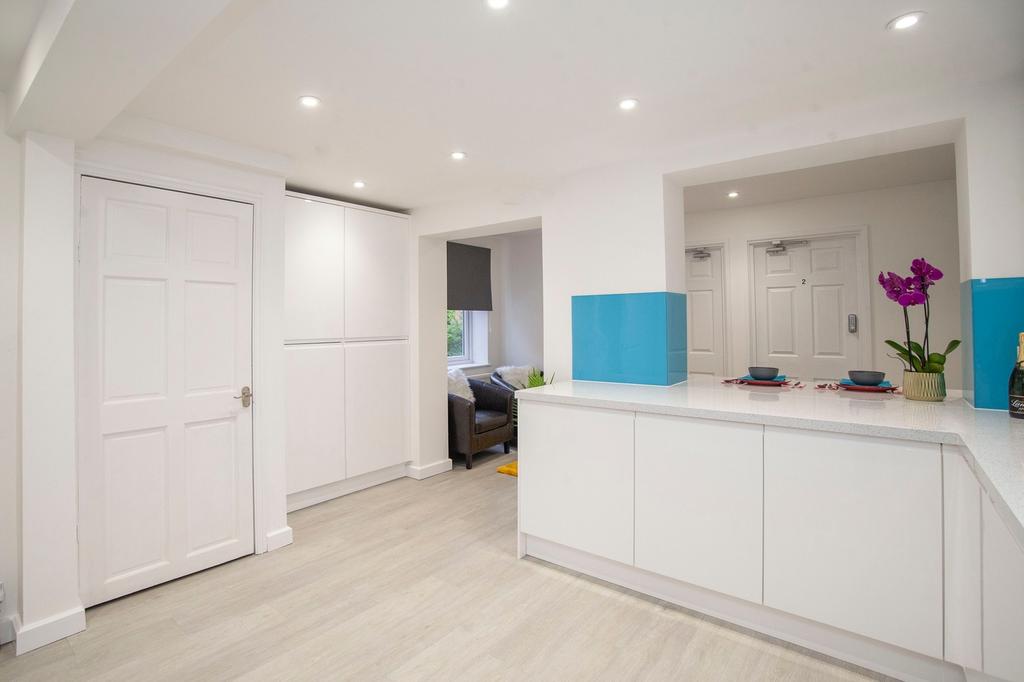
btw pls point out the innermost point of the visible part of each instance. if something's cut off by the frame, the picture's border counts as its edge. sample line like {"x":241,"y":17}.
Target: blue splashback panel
{"x":993,"y":317}
{"x":629,"y":338}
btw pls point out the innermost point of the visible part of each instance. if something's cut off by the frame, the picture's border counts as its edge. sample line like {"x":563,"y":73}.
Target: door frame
{"x":860,"y":233}
{"x":260,"y":428}
{"x":723,"y":246}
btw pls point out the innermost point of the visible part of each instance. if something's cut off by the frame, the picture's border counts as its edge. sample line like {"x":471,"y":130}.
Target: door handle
{"x":851,"y":323}
{"x":246,"y":396}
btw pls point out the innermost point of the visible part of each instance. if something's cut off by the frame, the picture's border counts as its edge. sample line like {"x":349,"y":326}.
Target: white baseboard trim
{"x":276,"y":539}
{"x":428,"y":470}
{"x":825,"y":639}
{"x":307,"y":498}
{"x":48,"y":630}
{"x":6,"y":629}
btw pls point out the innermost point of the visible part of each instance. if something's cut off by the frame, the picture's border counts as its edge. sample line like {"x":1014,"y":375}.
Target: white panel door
{"x":376,"y":405}
{"x":705,"y":312}
{"x":853,"y":534}
{"x":376,"y":275}
{"x":165,"y":332}
{"x":315,"y":408}
{"x":802,"y":298}
{"x":576,"y":477}
{"x":314,"y":280}
{"x":698,"y":502}
{"x":1003,"y":597}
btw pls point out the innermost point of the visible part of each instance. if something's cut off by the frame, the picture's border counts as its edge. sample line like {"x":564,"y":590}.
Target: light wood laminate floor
{"x":410,"y":580}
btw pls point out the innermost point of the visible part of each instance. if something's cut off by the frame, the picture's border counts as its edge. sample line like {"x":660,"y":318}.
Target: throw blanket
{"x":515,"y":375}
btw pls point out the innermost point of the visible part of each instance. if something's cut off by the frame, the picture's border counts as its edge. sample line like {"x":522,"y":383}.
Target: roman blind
{"x":469,"y":277}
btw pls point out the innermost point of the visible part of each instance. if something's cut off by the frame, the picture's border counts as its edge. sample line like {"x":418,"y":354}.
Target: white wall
{"x":524,"y":303}
{"x":605,"y":231}
{"x":516,"y":324}
{"x":904,"y":223}
{"x":10,"y":273}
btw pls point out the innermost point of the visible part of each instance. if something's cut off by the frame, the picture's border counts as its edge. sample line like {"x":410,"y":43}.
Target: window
{"x":467,"y":337}
{"x":459,"y":337}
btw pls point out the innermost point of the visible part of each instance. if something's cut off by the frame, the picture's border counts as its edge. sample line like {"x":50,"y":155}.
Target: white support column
{"x":49,"y":607}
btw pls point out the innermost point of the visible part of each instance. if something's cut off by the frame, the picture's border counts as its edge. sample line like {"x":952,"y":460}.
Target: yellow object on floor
{"x":510,"y":469}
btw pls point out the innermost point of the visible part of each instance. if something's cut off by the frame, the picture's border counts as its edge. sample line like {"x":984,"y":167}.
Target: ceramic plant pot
{"x":922,"y":386}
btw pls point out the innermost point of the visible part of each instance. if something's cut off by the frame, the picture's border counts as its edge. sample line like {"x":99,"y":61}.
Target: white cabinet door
{"x":1003,"y":596}
{"x":962,"y":526}
{"x":698,"y":502}
{"x":314,"y":267}
{"x":576,"y":477}
{"x":377,"y":248}
{"x":315,"y":400}
{"x":853,"y":534}
{"x":376,"y":405}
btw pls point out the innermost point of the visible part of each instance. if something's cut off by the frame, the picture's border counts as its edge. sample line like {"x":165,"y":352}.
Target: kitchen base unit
{"x":872,"y":530}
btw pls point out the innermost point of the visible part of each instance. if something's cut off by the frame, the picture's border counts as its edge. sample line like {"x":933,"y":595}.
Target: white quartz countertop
{"x":992,"y":442}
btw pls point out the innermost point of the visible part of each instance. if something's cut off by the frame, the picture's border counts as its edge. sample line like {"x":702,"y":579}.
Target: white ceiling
{"x":877,"y":172}
{"x":530,"y":92}
{"x":17,"y":19}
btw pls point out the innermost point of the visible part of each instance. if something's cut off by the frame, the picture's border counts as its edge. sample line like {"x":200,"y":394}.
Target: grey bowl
{"x":763,"y":373}
{"x":864,"y":377}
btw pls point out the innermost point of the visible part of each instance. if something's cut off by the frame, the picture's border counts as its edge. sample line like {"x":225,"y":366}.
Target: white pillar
{"x":49,"y":607}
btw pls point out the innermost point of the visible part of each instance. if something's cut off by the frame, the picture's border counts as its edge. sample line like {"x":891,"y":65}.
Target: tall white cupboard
{"x":346,"y":347}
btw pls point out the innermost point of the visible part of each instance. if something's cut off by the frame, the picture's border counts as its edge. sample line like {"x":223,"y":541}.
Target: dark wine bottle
{"x":1017,"y":382}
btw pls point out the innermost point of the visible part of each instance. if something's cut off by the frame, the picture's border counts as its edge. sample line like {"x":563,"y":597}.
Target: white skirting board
{"x":276,"y":539}
{"x":845,"y":646}
{"x":307,"y":498}
{"x":49,"y":630}
{"x":427,"y":470}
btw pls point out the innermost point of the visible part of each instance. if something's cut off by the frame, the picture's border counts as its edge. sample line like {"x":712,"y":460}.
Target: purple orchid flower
{"x":911,"y":297}
{"x":902,"y":290}
{"x":924,"y":274}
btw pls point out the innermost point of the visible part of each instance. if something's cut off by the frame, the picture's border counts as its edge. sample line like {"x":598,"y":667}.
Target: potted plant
{"x":923,"y":370}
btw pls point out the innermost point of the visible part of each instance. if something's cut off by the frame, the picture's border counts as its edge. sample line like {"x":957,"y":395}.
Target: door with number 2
{"x":803,"y":298}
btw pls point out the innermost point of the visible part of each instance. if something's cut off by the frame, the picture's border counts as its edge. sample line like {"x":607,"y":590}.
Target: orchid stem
{"x":910,"y":352}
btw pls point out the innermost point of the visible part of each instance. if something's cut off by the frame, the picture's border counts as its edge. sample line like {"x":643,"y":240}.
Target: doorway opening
{"x":800,"y":252}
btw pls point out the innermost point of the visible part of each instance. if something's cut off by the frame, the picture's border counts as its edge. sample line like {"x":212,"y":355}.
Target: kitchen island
{"x":863,"y":526}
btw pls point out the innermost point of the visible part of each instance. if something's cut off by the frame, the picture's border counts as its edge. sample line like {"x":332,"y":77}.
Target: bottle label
{"x":1017,"y":405}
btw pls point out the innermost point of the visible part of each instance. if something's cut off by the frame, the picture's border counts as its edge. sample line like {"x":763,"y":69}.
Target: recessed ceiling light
{"x":458,"y":156}
{"x":629,"y":104}
{"x":309,"y":101}
{"x":497,"y":4}
{"x":905,"y":21}
{"x":359,"y":184}
{"x":733,"y":194}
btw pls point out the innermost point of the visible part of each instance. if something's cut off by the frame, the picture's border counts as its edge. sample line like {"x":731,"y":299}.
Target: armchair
{"x":474,"y":427}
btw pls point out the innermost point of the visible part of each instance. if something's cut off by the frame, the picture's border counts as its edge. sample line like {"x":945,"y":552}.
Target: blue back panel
{"x":996,"y":312}
{"x":629,"y":338}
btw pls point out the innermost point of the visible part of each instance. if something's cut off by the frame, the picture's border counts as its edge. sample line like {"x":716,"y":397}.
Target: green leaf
{"x":953,"y":345}
{"x":936,"y":359}
{"x":899,"y":349}
{"x":919,"y":351}
{"x":915,"y":364}
{"x":932,"y":368}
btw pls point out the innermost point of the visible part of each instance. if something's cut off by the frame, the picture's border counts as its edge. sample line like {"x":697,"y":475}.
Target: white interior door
{"x":802,"y":299}
{"x":165,"y":337}
{"x":705,"y":312}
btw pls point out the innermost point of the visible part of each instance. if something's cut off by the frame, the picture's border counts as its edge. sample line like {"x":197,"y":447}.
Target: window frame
{"x":467,"y":341}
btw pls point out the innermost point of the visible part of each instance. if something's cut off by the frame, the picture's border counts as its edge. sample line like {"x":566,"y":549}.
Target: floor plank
{"x":410,"y":580}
